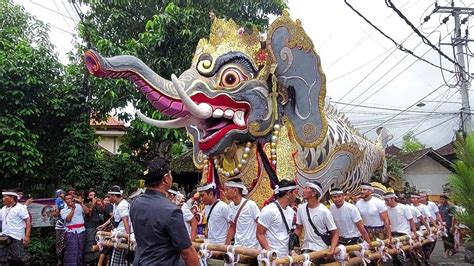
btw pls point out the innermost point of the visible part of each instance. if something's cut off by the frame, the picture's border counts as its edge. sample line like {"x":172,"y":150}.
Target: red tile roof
{"x":111,"y":123}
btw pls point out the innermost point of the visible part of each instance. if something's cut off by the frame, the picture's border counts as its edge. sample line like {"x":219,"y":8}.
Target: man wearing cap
{"x":317,"y":221}
{"x":188,"y":217}
{"x":158,"y":223}
{"x":374,"y":214}
{"x":273,"y":233}
{"x":217,"y":214}
{"x":60,"y":229}
{"x":73,"y":216}
{"x":122,"y":223}
{"x":16,"y":225}
{"x":243,"y":216}
{"x":347,"y":218}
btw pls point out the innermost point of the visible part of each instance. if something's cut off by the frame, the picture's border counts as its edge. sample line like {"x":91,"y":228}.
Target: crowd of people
{"x":164,"y":222}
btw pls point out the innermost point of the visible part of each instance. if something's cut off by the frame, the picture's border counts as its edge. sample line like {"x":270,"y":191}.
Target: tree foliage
{"x":462,"y":181}
{"x":411,"y":143}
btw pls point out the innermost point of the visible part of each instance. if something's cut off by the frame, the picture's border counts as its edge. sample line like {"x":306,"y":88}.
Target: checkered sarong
{"x":74,"y":251}
{"x":118,"y":258}
{"x":60,"y":242}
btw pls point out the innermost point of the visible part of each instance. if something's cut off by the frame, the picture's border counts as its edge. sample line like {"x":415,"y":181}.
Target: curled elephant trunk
{"x":159,"y":91}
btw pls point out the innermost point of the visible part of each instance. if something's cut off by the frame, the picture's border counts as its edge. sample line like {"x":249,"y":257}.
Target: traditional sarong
{"x":15,"y":253}
{"x":118,"y":258}
{"x":376,"y":232}
{"x":90,"y":256}
{"x":74,"y":252}
{"x":60,"y":242}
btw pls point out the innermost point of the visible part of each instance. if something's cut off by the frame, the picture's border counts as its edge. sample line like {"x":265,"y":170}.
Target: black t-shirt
{"x":159,"y":230}
{"x":108,"y":209}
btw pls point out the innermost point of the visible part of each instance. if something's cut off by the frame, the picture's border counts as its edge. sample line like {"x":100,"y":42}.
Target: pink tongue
{"x":219,"y":125}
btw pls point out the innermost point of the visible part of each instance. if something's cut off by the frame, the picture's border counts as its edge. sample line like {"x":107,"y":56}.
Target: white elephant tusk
{"x":175,"y":123}
{"x":203,"y":110}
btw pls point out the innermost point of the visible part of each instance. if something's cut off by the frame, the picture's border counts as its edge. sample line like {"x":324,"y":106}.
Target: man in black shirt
{"x":162,"y":238}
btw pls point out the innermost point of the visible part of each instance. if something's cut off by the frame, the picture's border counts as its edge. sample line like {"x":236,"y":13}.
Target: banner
{"x":41,"y":213}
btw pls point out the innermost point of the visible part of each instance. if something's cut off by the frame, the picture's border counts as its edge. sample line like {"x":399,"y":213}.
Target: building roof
{"x":393,"y":150}
{"x":408,"y":159}
{"x":112,"y":123}
{"x":447,"y":149}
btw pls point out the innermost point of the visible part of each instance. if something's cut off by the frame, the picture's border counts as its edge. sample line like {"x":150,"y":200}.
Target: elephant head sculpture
{"x":254,"y":108}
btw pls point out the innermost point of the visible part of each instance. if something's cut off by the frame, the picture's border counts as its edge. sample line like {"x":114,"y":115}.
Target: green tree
{"x":30,"y":95}
{"x":411,"y":143}
{"x":462,"y":181}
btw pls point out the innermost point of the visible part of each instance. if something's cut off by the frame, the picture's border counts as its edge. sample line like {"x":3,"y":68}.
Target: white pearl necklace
{"x":273,"y":151}
{"x":235,"y":171}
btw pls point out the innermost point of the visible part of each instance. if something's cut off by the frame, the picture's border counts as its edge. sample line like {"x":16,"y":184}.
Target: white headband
{"x":367,"y":187}
{"x":174,"y":192}
{"x":389,"y":196}
{"x":206,"y":187}
{"x":115,"y":192}
{"x":313,"y":185}
{"x":279,"y":189}
{"x":237,"y":185}
{"x":336,"y":192}
{"x":7,"y":193}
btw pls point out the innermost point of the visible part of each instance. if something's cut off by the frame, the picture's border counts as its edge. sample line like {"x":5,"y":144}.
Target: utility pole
{"x":459,"y":44}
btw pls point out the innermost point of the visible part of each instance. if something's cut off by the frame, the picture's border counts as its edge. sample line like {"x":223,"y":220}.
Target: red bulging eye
{"x":231,"y":77}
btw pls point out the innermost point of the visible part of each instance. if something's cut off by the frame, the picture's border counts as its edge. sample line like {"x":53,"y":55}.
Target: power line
{"x":384,"y":108}
{"x":437,"y":125}
{"x":442,"y":85}
{"x":423,"y":37}
{"x":398,"y":45}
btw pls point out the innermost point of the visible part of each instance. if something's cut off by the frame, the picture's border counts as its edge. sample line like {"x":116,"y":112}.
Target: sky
{"x":368,"y":79}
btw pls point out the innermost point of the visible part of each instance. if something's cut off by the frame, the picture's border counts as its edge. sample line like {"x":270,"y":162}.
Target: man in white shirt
{"x":427,"y":218}
{"x":401,"y":220}
{"x":189,"y":221}
{"x":347,"y":218}
{"x":122,"y":223}
{"x":319,"y":227}
{"x":400,"y":216}
{"x":217,"y":215}
{"x":272,"y":233}
{"x":73,"y":216}
{"x":16,"y":225}
{"x":243,"y":216}
{"x":374,"y":214}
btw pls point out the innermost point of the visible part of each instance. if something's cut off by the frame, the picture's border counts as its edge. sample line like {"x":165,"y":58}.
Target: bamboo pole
{"x":251,"y":252}
{"x":109,"y":234}
{"x":322,"y":253}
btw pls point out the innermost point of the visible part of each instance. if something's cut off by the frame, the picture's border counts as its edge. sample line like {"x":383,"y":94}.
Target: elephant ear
{"x":301,"y":82}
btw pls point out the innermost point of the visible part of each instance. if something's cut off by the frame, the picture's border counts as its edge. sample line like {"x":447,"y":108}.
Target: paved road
{"x":437,"y":256}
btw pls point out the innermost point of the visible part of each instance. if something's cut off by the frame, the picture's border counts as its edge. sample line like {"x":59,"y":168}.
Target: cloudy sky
{"x":370,"y":80}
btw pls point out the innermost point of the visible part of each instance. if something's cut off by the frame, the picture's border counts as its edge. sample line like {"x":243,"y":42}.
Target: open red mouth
{"x":227,"y":115}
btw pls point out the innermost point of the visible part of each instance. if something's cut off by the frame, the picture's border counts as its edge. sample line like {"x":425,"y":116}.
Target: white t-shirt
{"x":322,"y":219}
{"x":187,"y":216}
{"x":276,"y":234}
{"x":399,"y":218}
{"x":122,"y":209}
{"x":415,"y":213}
{"x":345,"y":218}
{"x":370,"y":211}
{"x":433,"y":209}
{"x":218,"y":223}
{"x":425,"y":211}
{"x":77,"y":219}
{"x":246,"y":227}
{"x":13,"y":221}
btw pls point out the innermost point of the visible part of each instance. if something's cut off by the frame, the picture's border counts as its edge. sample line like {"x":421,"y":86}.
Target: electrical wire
{"x":426,"y":96}
{"x":398,"y":45}
{"x":390,"y":4}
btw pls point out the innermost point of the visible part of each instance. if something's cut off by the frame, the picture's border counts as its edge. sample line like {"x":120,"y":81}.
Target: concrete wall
{"x":427,"y":175}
